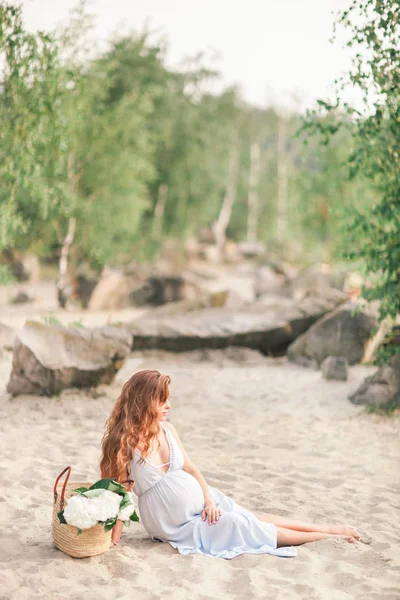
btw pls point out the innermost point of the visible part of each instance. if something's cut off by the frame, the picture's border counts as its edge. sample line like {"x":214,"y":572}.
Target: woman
{"x":175,"y":503}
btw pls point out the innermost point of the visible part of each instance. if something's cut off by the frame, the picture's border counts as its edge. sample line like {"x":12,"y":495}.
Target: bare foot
{"x":350,"y":539}
{"x":345,"y":530}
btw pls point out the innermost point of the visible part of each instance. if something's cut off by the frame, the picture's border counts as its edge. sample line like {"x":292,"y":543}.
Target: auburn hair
{"x":134,"y":415}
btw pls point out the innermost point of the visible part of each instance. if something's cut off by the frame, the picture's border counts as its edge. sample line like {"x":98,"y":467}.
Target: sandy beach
{"x":274,"y":436}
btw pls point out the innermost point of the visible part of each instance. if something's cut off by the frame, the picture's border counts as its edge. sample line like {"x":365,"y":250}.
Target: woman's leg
{"x":289,"y":537}
{"x":308,"y":527}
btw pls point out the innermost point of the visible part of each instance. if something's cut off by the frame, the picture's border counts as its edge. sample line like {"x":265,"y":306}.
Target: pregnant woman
{"x":175,"y":503}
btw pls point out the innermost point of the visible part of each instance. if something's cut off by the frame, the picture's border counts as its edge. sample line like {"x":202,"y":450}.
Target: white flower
{"x":85,"y":510}
{"x":125,"y":513}
{"x":77,"y":513}
{"x":104,"y":506}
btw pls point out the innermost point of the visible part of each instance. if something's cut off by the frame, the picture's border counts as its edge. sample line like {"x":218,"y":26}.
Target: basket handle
{"x":64,"y":486}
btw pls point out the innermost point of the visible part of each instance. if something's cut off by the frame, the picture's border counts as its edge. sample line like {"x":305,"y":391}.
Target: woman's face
{"x":163,"y":410}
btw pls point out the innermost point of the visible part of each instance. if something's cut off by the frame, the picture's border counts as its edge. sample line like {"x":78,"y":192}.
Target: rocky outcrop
{"x":23,"y":267}
{"x":343,"y":332}
{"x":161,"y":289}
{"x":254,"y":326}
{"x":21,"y":298}
{"x":49,"y":358}
{"x":116,"y":290}
{"x":268,"y":281}
{"x":318,"y":279}
{"x":335,"y":367}
{"x":381,"y":388}
{"x":112,"y":291}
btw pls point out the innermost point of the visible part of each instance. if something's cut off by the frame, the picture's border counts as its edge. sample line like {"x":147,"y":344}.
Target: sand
{"x":274,"y":436}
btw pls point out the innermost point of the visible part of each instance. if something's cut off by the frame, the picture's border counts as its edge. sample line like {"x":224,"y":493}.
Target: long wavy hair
{"x":134,"y":415}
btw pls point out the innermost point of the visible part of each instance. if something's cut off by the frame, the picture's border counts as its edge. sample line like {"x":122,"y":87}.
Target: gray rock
{"x":382,"y":387}
{"x":85,"y":281}
{"x":21,"y":298}
{"x":317,"y":279}
{"x":267,"y":281}
{"x":158,"y":290}
{"x":335,"y":367}
{"x":254,"y":326}
{"x":251,"y":249}
{"x":24,"y":268}
{"x":339,"y":333}
{"x":50,"y":358}
{"x":112,"y":290}
{"x":116,"y":289}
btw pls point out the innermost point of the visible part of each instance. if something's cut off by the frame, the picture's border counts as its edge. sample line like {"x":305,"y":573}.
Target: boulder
{"x":317,"y":279}
{"x":269,"y":331}
{"x":226,"y":298}
{"x":343,"y":332}
{"x":24,"y":268}
{"x":251,"y":249}
{"x":117,"y":289}
{"x":111,"y":291}
{"x":21,"y":298}
{"x":268,"y":281}
{"x":50,"y":358}
{"x":160,"y":289}
{"x":85,"y":279}
{"x":335,"y":367}
{"x":382,"y":387}
{"x":7,"y":337}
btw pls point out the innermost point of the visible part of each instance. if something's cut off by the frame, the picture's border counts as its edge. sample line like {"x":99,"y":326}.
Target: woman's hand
{"x":211,"y":511}
{"x":116,"y":532}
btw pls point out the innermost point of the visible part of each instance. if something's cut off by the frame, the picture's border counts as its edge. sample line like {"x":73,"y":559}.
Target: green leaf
{"x":80,"y":531}
{"x":125,"y":501}
{"x":110,"y":524}
{"x":81,"y":490}
{"x":62,"y":518}
{"x":108,"y":484}
{"x":134,"y":517}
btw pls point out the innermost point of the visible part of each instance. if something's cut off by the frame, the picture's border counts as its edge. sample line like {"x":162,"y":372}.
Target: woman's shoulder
{"x":169,"y":425}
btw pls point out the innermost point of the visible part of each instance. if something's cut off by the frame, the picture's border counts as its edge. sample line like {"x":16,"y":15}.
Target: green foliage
{"x":33,"y":187}
{"x":78,"y":324}
{"x":387,"y":409}
{"x":51,"y":320}
{"x":137,"y":152}
{"x":6,"y":276}
{"x":372,"y":231}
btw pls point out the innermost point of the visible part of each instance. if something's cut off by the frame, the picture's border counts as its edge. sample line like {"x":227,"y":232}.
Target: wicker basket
{"x":91,"y":541}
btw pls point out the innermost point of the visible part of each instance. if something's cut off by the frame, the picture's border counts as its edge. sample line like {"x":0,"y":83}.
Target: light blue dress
{"x":170,"y":506}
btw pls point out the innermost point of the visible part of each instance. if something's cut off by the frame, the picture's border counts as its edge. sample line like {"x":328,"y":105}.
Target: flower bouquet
{"x":103,"y":503}
{"x":85,"y":513}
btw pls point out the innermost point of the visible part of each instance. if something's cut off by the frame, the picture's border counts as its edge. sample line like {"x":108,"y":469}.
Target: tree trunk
{"x":62,"y":279}
{"x":222,"y":222}
{"x":252,"y":198}
{"x":63,"y":288}
{"x":385,"y":326}
{"x":159,"y":211}
{"x":282,"y":178}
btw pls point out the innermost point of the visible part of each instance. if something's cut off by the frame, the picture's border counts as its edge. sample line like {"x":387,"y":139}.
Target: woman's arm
{"x":117,"y":529}
{"x":116,"y":532}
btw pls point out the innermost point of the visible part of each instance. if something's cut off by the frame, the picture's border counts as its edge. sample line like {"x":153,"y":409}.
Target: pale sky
{"x":271,"y":48}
